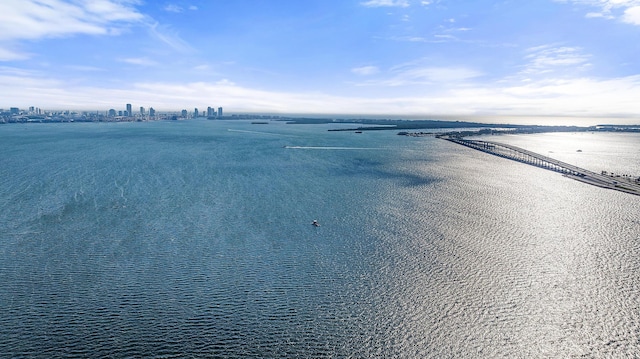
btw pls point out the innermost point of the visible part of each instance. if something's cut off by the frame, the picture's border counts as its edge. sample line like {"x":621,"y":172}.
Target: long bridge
{"x":623,"y":184}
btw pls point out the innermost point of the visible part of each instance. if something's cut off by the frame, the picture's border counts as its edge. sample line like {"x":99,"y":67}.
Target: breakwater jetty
{"x":603,"y":179}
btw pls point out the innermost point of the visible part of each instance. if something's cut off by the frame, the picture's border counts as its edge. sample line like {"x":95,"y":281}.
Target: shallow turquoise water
{"x":194,"y":239}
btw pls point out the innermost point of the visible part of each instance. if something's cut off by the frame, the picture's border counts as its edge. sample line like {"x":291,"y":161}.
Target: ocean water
{"x":194,"y":239}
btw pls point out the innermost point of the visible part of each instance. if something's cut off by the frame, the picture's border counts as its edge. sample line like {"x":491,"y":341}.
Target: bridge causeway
{"x":514,"y":153}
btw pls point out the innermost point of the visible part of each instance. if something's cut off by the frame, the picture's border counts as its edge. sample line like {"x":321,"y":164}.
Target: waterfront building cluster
{"x":127,"y":114}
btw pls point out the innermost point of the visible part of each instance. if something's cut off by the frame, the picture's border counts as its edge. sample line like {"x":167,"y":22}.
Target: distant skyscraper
{"x":210,"y":112}
{"x":219,"y":111}
{"x":152,"y":111}
{"x":195,"y":112}
{"x":184,"y":113}
{"x":129,"y":113}
{"x":142,"y":110}
{"x":112,"y":113}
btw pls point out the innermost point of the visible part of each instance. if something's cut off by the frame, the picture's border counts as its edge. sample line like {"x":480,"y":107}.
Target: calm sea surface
{"x":194,"y":239}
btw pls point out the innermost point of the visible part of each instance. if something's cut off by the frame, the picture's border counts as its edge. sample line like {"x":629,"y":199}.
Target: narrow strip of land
{"x":623,"y":184}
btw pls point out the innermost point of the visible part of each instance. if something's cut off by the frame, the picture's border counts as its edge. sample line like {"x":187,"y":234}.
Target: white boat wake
{"x":331,"y":148}
{"x":261,"y":133}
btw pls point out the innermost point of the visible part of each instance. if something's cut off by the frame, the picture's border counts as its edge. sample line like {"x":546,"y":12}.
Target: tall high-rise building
{"x":142,"y":110}
{"x":184,"y":113}
{"x":219,"y":111}
{"x":112,"y":113}
{"x":195,"y":113}
{"x":152,"y":111}
{"x":211,"y":112}
{"x":129,"y":113}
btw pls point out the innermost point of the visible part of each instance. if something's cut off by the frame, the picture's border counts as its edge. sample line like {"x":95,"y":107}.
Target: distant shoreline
{"x":363,"y":124}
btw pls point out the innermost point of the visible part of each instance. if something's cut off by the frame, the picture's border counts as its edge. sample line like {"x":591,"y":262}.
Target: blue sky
{"x":377,"y":57}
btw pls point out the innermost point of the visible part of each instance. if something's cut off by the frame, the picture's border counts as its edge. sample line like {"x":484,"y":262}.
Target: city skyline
{"x":127,"y":110}
{"x":123,"y":111}
{"x":370,"y":57}
{"x":34,"y":114}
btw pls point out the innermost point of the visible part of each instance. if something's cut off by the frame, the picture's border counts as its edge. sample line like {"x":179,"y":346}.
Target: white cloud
{"x":445,"y":75}
{"x":417,"y":72}
{"x":626,"y":10}
{"x":225,"y":82}
{"x":32,"y":19}
{"x":36,"y":19}
{"x":547,"y":59}
{"x":18,"y":72}
{"x":632,"y":15}
{"x":434,"y":40}
{"x":203,"y":67}
{"x":386,"y":3}
{"x":83,"y":68}
{"x":173,"y":8}
{"x":178,"y":9}
{"x":442,"y":77}
{"x":7,"y":54}
{"x":578,"y":96}
{"x":592,"y":15}
{"x":445,"y":37}
{"x":365,"y":70}
{"x":112,"y":10}
{"x":168,"y":37}
{"x":141,"y":61}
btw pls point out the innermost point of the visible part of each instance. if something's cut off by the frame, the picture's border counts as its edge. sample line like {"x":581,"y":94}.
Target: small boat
{"x":579,"y":151}
{"x":315,"y":223}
